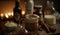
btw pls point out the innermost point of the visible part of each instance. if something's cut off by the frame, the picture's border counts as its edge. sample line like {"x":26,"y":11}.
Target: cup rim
{"x":36,"y":16}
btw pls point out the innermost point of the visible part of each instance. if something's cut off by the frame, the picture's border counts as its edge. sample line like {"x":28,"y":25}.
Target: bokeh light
{"x":23,"y":12}
{"x":2,"y":15}
{"x":9,"y":14}
{"x":6,"y":15}
{"x":12,"y":13}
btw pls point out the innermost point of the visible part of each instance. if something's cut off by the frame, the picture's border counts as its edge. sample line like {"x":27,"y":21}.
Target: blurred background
{"x":7,"y":13}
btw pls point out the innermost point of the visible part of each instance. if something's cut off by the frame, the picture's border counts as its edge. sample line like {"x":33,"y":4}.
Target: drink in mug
{"x":50,"y":19}
{"x":32,"y":22}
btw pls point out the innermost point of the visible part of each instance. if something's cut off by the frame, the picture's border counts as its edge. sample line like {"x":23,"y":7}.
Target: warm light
{"x":6,"y":15}
{"x":2,"y":15}
{"x":12,"y":14}
{"x":9,"y":14}
{"x":23,"y":12}
{"x":26,"y":31}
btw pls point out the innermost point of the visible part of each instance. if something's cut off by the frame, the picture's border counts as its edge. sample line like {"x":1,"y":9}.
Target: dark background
{"x":56,"y":4}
